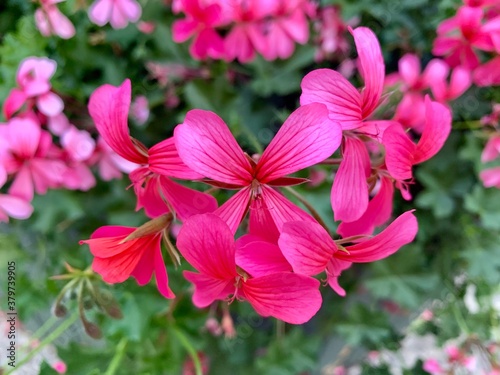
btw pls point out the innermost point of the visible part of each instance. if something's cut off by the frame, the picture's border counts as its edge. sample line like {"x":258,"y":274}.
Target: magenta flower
{"x":207,"y":243}
{"x":50,"y":20}
{"x":310,"y":250}
{"x":109,"y":108}
{"x":200,"y":22}
{"x":117,"y":12}
{"x":443,"y":92}
{"x":488,"y":74}
{"x":33,"y":79}
{"x":207,"y":146}
{"x":116,"y":257}
{"x":110,"y":165}
{"x":402,"y":153}
{"x":12,"y":206}
{"x":459,"y":36}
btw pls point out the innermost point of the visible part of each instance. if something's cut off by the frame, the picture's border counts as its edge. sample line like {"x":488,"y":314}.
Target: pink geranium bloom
{"x":33,"y":79}
{"x":443,"y":92}
{"x":200,"y":22}
{"x":492,"y":149}
{"x":490,"y":177}
{"x":50,"y":20}
{"x":78,"y":144}
{"x":12,"y":206}
{"x":287,"y":25}
{"x":207,"y":243}
{"x":109,"y":107}
{"x":28,"y":158}
{"x":332,"y":33}
{"x":432,"y":366}
{"x":139,"y":110}
{"x":488,"y":74}
{"x":459,"y":36}
{"x":402,"y":153}
{"x":207,"y":146}
{"x":110,"y":165}
{"x":310,"y":250}
{"x":116,"y":257}
{"x":117,"y":12}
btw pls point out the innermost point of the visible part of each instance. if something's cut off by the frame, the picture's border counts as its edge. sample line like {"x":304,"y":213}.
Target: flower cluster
{"x":491,"y":175}
{"x":270,"y":28}
{"x":30,"y":159}
{"x":273,"y":263}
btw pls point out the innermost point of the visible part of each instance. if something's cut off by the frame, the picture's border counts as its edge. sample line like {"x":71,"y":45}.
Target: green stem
{"x":49,"y":339}
{"x":190,"y":349}
{"x":118,"y":357}
{"x":44,"y":328}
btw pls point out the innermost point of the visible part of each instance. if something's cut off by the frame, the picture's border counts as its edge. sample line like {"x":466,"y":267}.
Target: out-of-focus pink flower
{"x":139,"y":110}
{"x":459,"y":35}
{"x":28,"y":159}
{"x":15,"y":207}
{"x":78,"y":144}
{"x":117,"y":12}
{"x":490,"y":177}
{"x":117,"y":256}
{"x":200,"y":23}
{"x":58,"y":124}
{"x":427,"y":315}
{"x":33,"y":79}
{"x":110,"y":165}
{"x":493,"y":119}
{"x":207,"y":243}
{"x":492,"y":149}
{"x":332,"y":30}
{"x":146,"y":27}
{"x":316,"y":177}
{"x":206,"y":145}
{"x":433,"y":367}
{"x":488,"y":74}
{"x":50,"y":20}
{"x":443,"y":92}
{"x":308,"y":247}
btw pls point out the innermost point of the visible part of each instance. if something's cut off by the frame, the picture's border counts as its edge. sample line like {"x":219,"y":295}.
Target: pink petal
{"x":13,"y":103}
{"x":109,"y":107}
{"x":206,"y":145}
{"x":261,"y":222}
{"x":307,"y":137}
{"x":350,"y":189}
{"x":400,"y":232}
{"x":61,"y":25}
{"x":399,"y":151}
{"x":50,"y":104}
{"x":165,"y":160}
{"x":307,"y":246}
{"x":150,"y":198}
{"x":333,"y":272}
{"x":131,"y":9}
{"x":490,"y":177}
{"x":22,"y":186}
{"x":409,"y":68}
{"x":340,"y":97}
{"x":161,"y":276}
{"x":237,"y":45}
{"x":436,"y":131}
{"x":15,"y":207}
{"x":208,"y":245}
{"x":39,"y":68}
{"x":372,"y":68}
{"x":296,"y":26}
{"x":492,"y":149}
{"x":488,"y":74}
{"x":100,"y":12}
{"x":23,"y":137}
{"x":47,"y":174}
{"x":281,"y":209}
{"x":208,"y":289}
{"x":186,"y":202}
{"x":42,"y":23}
{"x":460,"y":81}
{"x":260,"y":258}
{"x":143,"y":271}
{"x":182,"y":30}
{"x":379,"y":210}
{"x":235,"y":208}
{"x":290,"y":297}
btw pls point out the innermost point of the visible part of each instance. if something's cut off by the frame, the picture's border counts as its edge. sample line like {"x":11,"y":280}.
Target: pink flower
{"x":139,"y":110}
{"x":490,"y":177}
{"x":28,"y":158}
{"x":117,"y":12}
{"x":332,"y":30}
{"x":12,"y":206}
{"x":458,"y":36}
{"x":460,"y":81}
{"x":200,"y":22}
{"x":308,"y":247}
{"x":433,"y":367}
{"x":146,"y":27}
{"x":50,"y":20}
{"x":109,"y":108}
{"x":110,"y":165}
{"x":117,"y":257}
{"x":492,"y":149}
{"x":207,"y":243}
{"x":78,"y":144}
{"x":402,"y":154}
{"x":207,"y":146}
{"x":33,"y":78}
{"x":488,"y":74}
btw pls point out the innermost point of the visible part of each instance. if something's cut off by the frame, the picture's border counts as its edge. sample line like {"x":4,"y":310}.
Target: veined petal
{"x":165,"y":160}
{"x":333,"y":272}
{"x":350,"y":190}
{"x":206,"y":145}
{"x":436,"y":131}
{"x":379,"y":210}
{"x":290,"y":297}
{"x":307,"y":246}
{"x":208,"y":289}
{"x":161,"y":276}
{"x":208,"y":245}
{"x":234,"y":209}
{"x":336,"y":92}
{"x":143,"y":271}
{"x":23,"y":137}
{"x":307,"y":137}
{"x":261,"y":222}
{"x":15,"y":207}
{"x":372,"y":68}
{"x":399,"y":151}
{"x":281,"y":209}
{"x":109,"y":107}
{"x":400,"y":232}
{"x":186,"y":202}
{"x":260,"y":258}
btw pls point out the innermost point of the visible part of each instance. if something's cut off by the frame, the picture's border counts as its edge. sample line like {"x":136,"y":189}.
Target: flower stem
{"x":117,"y":358}
{"x":190,"y":349}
